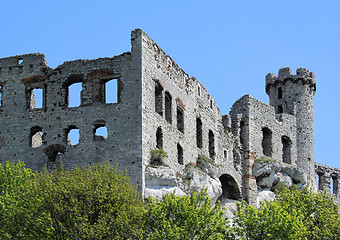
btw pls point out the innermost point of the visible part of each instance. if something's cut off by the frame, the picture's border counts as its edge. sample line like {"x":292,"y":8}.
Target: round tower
{"x":293,"y":94}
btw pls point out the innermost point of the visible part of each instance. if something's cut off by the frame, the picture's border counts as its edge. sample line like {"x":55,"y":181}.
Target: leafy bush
{"x":187,"y":217}
{"x":292,"y":215}
{"x":158,"y":156}
{"x":204,"y":159}
{"x":90,"y":203}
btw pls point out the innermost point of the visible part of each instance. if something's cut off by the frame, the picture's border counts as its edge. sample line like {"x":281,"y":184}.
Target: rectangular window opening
{"x":279,"y":93}
{"x":111,"y":91}
{"x":180,"y":120}
{"x":74,"y":94}
{"x":36,"y":98}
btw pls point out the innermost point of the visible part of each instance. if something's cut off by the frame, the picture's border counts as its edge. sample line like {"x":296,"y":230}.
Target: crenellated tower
{"x":293,"y":94}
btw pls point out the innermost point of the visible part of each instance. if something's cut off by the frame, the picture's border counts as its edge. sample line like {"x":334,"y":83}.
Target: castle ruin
{"x":157,"y":106}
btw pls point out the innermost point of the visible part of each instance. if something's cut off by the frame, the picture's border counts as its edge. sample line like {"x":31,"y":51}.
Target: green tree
{"x":292,"y":215}
{"x":187,"y":217}
{"x":90,"y":203}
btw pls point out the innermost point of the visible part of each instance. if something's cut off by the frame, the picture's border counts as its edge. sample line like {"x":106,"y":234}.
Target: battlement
{"x":285,"y":74}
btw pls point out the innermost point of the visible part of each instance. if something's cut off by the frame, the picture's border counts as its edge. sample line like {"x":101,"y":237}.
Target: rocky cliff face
{"x":269,"y":175}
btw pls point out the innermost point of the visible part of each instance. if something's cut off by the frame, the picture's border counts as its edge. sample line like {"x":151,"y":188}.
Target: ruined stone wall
{"x":189,"y":96}
{"x":327,"y":179}
{"x":19,"y":124}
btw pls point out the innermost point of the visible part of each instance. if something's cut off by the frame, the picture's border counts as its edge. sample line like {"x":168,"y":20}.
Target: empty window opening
{"x":335,"y":185}
{"x":211,"y":145}
{"x":72,"y":136}
{"x":267,"y":142}
{"x":180,"y":120}
{"x":199,"y":133}
{"x":318,"y":180}
{"x":100,"y":130}
{"x":55,"y":153}
{"x":159,"y":99}
{"x":159,"y":138}
{"x":36,"y":98}
{"x":286,"y":150}
{"x":242,"y":132}
{"x":199,"y":91}
{"x":168,"y":110}
{"x":74,"y":94}
{"x":180,"y":154}
{"x":230,"y":189}
{"x":36,"y":137}
{"x":279,"y":93}
{"x":225,"y":154}
{"x":111,"y":91}
{"x":280,"y":109}
{"x":20,"y":61}
{"x":211,"y":104}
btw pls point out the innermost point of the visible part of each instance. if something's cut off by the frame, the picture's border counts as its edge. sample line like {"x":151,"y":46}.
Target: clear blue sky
{"x":227,"y":45}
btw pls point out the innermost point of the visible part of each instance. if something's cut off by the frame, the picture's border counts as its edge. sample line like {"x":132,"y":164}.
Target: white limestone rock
{"x":265,"y":194}
{"x":160,"y":176}
{"x":157,"y":192}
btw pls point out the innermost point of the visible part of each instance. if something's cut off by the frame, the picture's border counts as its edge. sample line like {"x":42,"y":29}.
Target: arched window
{"x":158,"y":98}
{"x":36,"y":137}
{"x":211,"y":145}
{"x":199,"y":132}
{"x":168,"y":110}
{"x":286,"y":149}
{"x":267,"y":142}
{"x":180,"y":154}
{"x":159,"y":138}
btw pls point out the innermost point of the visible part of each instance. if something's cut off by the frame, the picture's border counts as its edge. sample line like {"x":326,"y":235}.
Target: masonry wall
{"x":193,"y":100}
{"x":122,"y":146}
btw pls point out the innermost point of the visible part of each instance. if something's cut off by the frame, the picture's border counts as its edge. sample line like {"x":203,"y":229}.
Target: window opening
{"x":318,"y":180}
{"x":279,"y":93}
{"x":159,"y":99}
{"x":286,"y":150}
{"x":335,"y":184}
{"x":100,"y":131}
{"x":211,"y":145}
{"x":159,"y":138}
{"x":242,"y":132}
{"x":36,"y":98}
{"x":199,"y":133}
{"x":279,"y":109}
{"x":211,"y":104}
{"x":180,"y":154}
{"x":36,"y":137}
{"x":199,"y":91}
{"x":73,"y":136}
{"x":168,"y":110}
{"x":267,"y":142}
{"x":225,"y":154}
{"x":20,"y":61}
{"x":111,"y":91}
{"x":74,"y":94}
{"x":180,"y":120}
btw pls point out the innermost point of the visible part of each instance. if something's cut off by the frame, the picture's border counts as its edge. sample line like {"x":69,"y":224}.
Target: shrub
{"x":204,"y":159}
{"x":187,"y":217}
{"x":158,"y":156}
{"x":90,"y":203}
